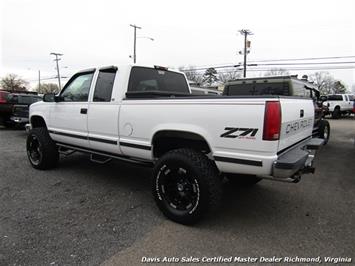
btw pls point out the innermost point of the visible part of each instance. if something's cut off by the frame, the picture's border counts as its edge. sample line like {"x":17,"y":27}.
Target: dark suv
{"x":14,"y":107}
{"x":284,"y":86}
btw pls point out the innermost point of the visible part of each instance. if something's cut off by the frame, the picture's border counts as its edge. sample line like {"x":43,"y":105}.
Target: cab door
{"x":68,"y":116}
{"x":104,"y":113}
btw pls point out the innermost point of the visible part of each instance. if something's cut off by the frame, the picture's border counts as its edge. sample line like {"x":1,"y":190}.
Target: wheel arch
{"x":169,"y":139}
{"x":37,"y":121}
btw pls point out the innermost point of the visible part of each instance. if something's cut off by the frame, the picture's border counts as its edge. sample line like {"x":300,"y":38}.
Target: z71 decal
{"x":240,"y":133}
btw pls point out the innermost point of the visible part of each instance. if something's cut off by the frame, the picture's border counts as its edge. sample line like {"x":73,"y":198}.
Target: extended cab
{"x":339,"y":104}
{"x":147,"y":115}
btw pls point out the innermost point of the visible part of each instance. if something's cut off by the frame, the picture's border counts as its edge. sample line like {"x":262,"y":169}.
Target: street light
{"x":135,"y":27}
{"x":146,"y":37}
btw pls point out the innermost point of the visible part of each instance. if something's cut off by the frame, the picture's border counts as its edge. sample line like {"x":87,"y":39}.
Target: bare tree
{"x":47,"y":88}
{"x":192,"y":74}
{"x":227,"y":76}
{"x":276,"y":72}
{"x":324,"y":81}
{"x":327,"y":84}
{"x":13,"y":82}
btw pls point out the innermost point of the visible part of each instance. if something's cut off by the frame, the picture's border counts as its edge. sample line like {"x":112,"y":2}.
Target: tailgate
{"x":297,"y":121}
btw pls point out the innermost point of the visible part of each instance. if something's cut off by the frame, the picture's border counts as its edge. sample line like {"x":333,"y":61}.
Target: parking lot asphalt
{"x":83,"y":213}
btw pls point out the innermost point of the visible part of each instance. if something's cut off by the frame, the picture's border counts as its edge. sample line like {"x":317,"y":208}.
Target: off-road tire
{"x":205,"y":179}
{"x":47,"y":148}
{"x":324,"y":131}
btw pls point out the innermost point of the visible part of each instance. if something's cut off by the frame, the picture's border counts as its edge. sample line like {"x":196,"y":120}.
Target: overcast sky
{"x":200,"y":33}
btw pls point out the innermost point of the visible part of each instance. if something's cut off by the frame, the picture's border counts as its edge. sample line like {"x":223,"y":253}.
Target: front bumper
{"x":19,"y":120}
{"x":296,"y":161}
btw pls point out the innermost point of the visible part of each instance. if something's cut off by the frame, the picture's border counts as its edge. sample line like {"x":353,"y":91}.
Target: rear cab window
{"x":151,"y":80}
{"x":267,"y":88}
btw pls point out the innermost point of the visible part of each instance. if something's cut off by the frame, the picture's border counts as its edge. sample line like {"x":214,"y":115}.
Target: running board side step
{"x":315,"y":144}
{"x":65,"y":151}
{"x":100,"y":156}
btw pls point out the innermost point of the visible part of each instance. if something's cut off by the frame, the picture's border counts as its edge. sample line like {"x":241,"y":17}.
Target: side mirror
{"x":49,"y":97}
{"x":323,"y":98}
{"x":58,"y":98}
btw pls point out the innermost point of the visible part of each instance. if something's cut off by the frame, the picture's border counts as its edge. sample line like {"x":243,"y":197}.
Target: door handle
{"x":84,"y":111}
{"x":301,"y":113}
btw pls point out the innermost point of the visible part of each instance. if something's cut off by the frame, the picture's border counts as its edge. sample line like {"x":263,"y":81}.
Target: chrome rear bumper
{"x":296,"y":161}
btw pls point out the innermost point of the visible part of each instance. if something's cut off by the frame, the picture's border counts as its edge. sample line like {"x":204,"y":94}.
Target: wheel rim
{"x":34,"y":150}
{"x":178,"y":189}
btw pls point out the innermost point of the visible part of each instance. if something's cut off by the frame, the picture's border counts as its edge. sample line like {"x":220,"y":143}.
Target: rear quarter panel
{"x":140,"y":120}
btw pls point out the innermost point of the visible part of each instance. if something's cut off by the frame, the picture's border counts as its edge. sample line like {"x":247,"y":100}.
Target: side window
{"x":104,"y":85}
{"x":78,"y":89}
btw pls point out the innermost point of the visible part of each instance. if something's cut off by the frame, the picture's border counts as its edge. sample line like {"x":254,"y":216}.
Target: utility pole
{"x":135,"y":41}
{"x":39,"y":80}
{"x":245,"y":32}
{"x":57,"y":59}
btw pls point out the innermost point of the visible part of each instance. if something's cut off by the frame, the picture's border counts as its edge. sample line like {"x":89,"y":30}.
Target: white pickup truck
{"x":339,"y":104}
{"x":147,"y":115}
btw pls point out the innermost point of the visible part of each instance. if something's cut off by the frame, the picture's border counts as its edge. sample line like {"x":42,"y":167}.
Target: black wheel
{"x":3,"y":122}
{"x":186,"y":185}
{"x":324,"y":131}
{"x":41,"y":150}
{"x":243,"y":180}
{"x":336,"y":113}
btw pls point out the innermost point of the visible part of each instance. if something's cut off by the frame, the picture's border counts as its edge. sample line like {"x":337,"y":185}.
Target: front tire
{"x":324,"y":131}
{"x":186,"y":185}
{"x":41,"y":150}
{"x":336,"y":114}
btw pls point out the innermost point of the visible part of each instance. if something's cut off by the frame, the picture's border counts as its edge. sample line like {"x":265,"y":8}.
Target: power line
{"x":304,"y":59}
{"x":33,"y":80}
{"x":290,"y":69}
{"x":293,"y":69}
{"x":204,"y":67}
{"x":274,"y":64}
{"x":307,"y":63}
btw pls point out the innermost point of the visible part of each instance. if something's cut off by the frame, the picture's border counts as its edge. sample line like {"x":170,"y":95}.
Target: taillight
{"x":3,"y":98}
{"x":272,"y":120}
